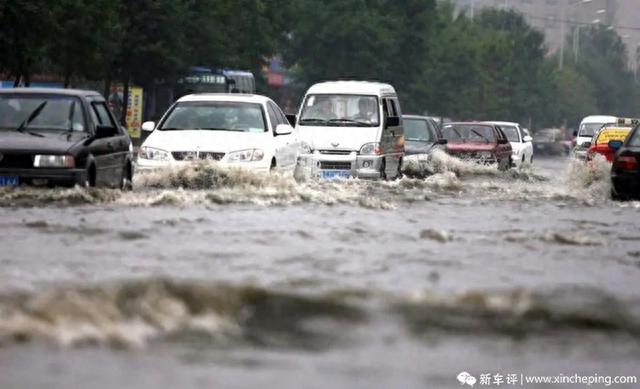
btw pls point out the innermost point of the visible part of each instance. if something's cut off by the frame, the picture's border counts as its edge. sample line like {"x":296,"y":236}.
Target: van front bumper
{"x":349,"y":165}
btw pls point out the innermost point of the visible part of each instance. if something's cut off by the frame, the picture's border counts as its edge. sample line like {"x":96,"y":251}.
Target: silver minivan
{"x":351,"y":129}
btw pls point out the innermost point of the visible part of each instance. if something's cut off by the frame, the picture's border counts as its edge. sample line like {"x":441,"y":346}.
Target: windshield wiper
{"x":220,"y":129}
{"x":348,"y":121}
{"x":171,"y":129}
{"x":31,"y":117}
{"x":480,"y":135}
{"x":313,"y":120}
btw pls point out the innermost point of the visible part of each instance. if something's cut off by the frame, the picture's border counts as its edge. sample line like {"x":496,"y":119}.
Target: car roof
{"x":599,"y":119}
{"x":51,"y":91}
{"x":352,"y":87}
{"x":485,"y":124}
{"x":231,"y":97}
{"x":503,"y":123}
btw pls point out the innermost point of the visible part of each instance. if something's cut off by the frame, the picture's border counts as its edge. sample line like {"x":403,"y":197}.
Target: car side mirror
{"x":292,"y":118}
{"x":615,"y":144}
{"x":527,"y":138}
{"x":103,"y":131}
{"x":283,"y":129}
{"x":575,"y":133}
{"x":148,"y":126}
{"x":392,"y":121}
{"x":442,"y":141}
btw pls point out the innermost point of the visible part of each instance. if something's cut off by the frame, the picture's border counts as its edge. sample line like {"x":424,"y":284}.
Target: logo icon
{"x":335,"y":144}
{"x":466,"y":379}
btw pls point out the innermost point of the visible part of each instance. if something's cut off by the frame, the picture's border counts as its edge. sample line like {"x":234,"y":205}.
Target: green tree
{"x":24,"y":32}
{"x":87,"y":34}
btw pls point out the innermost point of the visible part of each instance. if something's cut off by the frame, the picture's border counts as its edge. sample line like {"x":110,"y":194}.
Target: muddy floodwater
{"x":212,"y":279}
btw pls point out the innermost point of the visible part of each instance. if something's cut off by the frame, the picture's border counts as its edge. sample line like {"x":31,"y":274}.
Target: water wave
{"x":131,"y":314}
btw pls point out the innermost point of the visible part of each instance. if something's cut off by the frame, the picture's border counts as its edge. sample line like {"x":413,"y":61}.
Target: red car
{"x":480,"y":142}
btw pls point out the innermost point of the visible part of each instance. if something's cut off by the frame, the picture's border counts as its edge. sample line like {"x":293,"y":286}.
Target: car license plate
{"x":335,"y":174}
{"x":9,"y":180}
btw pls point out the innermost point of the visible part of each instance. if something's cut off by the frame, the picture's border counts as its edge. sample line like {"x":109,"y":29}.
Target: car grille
{"x":196,"y":155}
{"x":19,"y":161}
{"x":335,"y":165}
{"x":335,"y":152}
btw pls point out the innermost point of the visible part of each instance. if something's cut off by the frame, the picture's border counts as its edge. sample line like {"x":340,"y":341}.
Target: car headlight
{"x":67,"y":161}
{"x":153,"y":154}
{"x":485,"y":154}
{"x":249,"y":155}
{"x":371,"y":149}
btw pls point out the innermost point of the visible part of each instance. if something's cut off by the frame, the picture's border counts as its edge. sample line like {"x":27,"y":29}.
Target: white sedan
{"x":522,"y":148}
{"x":246,"y":131}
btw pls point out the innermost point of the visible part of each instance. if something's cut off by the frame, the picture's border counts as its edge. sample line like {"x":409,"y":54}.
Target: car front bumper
{"x":66,"y":177}
{"x":350,"y":165}
{"x":146,"y":165}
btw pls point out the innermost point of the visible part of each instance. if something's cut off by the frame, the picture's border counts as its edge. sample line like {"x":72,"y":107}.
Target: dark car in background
{"x":551,"y":141}
{"x":480,"y":142}
{"x":422,"y":137}
{"x":61,"y":137}
{"x":625,"y":170}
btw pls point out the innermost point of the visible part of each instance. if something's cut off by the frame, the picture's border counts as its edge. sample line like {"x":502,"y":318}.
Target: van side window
{"x":385,"y":108}
{"x":396,"y":105}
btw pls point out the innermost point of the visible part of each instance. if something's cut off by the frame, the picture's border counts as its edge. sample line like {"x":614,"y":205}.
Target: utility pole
{"x":473,"y":8}
{"x":562,"y":35}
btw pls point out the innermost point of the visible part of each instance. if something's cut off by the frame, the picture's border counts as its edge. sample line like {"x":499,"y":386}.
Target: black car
{"x":61,"y":137}
{"x":421,"y":135}
{"x":625,"y":171}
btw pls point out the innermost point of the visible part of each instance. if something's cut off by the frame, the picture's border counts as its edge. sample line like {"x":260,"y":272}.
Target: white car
{"x":522,"y":148}
{"x":246,"y":131}
{"x":588,"y":127}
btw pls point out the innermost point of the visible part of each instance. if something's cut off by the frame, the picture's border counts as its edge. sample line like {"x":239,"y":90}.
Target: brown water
{"x":209,"y":278}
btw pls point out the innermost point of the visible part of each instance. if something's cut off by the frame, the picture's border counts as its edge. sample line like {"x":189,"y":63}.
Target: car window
{"x":215,"y":116}
{"x":102,"y":114}
{"x":634,"y":141}
{"x":273,"y":116}
{"x":77,"y":118}
{"x":511,"y":132}
{"x":418,"y":130}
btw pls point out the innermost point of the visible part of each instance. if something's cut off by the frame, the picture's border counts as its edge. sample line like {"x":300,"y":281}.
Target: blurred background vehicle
{"x":480,"y":142}
{"x":522,"y":148}
{"x":550,"y":141}
{"x":602,"y":139}
{"x":588,"y":127}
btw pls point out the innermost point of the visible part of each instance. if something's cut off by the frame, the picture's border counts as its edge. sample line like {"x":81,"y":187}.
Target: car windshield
{"x":340,"y":110}
{"x":589,"y":129}
{"x":216,"y":116}
{"x":511,"y":132}
{"x":468,"y":133}
{"x":418,"y":130}
{"x":41,"y":112}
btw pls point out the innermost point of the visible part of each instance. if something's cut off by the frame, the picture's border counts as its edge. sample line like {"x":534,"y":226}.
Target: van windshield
{"x":589,"y":129}
{"x":340,"y":110}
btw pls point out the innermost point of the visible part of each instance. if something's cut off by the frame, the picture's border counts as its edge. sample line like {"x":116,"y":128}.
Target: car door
{"x":282,"y":143}
{"x":110,"y":152}
{"x":392,"y":136}
{"x":293,"y":144}
{"x":503,"y":147}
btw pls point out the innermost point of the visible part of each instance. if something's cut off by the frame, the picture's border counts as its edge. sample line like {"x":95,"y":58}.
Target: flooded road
{"x":207,"y":278}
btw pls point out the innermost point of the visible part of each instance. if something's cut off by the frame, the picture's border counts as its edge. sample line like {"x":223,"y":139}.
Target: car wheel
{"x":89,"y":179}
{"x":126,"y":182}
{"x":273,"y":167}
{"x":531,"y":160}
